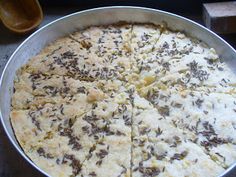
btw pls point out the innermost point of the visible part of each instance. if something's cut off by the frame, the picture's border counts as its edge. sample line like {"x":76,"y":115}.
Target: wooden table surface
{"x":11,"y":163}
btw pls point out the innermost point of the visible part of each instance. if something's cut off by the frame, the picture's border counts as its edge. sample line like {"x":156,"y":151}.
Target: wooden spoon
{"x":20,"y":16}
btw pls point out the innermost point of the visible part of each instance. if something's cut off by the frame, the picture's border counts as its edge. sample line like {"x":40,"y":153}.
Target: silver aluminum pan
{"x":99,"y":16}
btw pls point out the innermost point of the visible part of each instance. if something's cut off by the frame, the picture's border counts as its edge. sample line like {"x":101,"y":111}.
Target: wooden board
{"x":220,"y":17}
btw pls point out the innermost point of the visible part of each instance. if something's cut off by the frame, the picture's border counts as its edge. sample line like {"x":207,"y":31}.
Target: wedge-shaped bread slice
{"x":190,"y":71}
{"x":210,"y":116}
{"x":43,"y":122}
{"x":104,"y":54}
{"x":160,"y":149}
{"x":108,"y":47}
{"x":112,"y":153}
{"x":159,"y":159}
{"x":64,"y":137}
{"x":35,"y":90}
{"x":157,"y":48}
{"x":49,"y":140}
{"x":172,"y":45}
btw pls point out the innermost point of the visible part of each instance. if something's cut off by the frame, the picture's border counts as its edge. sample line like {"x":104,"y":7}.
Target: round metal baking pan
{"x":99,"y":16}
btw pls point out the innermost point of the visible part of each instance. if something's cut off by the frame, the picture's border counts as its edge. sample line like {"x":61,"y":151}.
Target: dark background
{"x":11,"y":163}
{"x":176,"y":6}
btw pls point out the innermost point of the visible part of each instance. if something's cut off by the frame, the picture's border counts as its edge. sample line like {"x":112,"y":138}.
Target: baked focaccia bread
{"x":126,"y":100}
